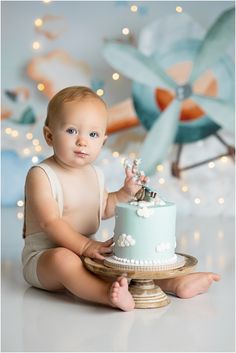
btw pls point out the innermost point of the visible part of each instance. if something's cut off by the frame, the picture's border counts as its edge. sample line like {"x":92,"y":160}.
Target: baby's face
{"x":79,"y":134}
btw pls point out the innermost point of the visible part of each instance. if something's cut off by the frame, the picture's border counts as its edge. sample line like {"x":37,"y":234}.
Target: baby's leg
{"x":60,"y":268}
{"x":189,"y":285}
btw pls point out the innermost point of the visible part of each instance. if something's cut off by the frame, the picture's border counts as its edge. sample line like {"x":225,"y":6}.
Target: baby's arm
{"x":126,"y":193}
{"x":46,"y":213}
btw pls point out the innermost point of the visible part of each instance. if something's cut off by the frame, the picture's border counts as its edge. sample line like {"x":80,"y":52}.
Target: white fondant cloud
{"x":125,"y":240}
{"x":144,"y":212}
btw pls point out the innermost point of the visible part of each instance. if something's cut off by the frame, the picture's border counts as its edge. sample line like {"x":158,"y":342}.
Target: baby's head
{"x":76,"y":121}
{"x":68,"y":96}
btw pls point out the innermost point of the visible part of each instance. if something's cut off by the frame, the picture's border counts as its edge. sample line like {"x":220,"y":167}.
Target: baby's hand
{"x":132,"y":183}
{"x":95,"y":249}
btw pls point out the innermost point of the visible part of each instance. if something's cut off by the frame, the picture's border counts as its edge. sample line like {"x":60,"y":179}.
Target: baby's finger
{"x":128,"y":172}
{"x":99,"y":256}
{"x":134,"y":169}
{"x":109,"y":242}
{"x":104,"y":250}
{"x":142,"y":178}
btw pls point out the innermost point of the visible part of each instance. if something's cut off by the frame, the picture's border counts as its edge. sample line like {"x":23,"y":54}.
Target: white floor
{"x":35,"y":320}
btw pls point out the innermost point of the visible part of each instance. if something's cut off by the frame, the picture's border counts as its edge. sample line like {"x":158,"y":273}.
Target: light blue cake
{"x":144,"y":233}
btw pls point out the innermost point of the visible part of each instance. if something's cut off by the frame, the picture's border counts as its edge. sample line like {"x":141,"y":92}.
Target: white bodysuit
{"x":37,"y":243}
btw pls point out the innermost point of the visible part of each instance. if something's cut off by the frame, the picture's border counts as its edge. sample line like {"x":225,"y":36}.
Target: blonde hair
{"x":68,"y":94}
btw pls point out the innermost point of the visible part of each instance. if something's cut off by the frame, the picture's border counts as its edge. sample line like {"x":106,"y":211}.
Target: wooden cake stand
{"x":146,"y":293}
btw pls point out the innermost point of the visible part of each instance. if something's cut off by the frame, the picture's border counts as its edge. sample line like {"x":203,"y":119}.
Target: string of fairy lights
{"x":34,"y":147}
{"x":36,"y":45}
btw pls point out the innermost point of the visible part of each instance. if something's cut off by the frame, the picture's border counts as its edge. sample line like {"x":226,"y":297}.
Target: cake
{"x":144,"y":233}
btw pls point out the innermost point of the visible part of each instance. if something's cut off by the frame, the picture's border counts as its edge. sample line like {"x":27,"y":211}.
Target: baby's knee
{"x":65,"y":260}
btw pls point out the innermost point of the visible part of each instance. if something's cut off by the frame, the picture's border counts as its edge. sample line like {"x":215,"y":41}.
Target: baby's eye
{"x":72,"y":131}
{"x":94,"y":134}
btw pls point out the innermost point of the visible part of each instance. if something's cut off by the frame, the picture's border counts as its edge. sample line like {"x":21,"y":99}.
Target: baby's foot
{"x":120,"y":296}
{"x":195,"y":283}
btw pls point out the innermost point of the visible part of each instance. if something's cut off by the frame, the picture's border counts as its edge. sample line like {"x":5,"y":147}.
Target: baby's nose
{"x":81,"y":141}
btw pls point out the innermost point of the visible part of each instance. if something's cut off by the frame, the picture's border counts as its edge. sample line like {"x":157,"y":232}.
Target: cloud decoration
{"x":52,"y":27}
{"x":144,"y":212}
{"x":125,"y":240}
{"x":58,"y":70}
{"x":14,"y":170}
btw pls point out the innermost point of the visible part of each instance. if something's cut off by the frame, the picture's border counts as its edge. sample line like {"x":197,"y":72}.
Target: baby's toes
{"x":115,"y":288}
{"x":123,"y":282}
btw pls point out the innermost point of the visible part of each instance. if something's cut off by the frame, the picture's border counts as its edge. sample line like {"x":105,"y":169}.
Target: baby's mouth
{"x":81,"y":154}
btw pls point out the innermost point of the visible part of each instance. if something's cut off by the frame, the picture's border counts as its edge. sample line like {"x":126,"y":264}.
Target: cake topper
{"x":145,"y":193}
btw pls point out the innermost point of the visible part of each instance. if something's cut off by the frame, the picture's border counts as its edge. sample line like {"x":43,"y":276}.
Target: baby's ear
{"x":47,"y":135}
{"x":105,"y":139}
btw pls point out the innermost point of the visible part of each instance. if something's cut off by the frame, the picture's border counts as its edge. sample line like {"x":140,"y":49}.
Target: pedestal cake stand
{"x":146,"y":293}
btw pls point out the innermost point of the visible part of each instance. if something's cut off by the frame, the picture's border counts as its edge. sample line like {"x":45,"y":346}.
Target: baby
{"x":65,"y":201}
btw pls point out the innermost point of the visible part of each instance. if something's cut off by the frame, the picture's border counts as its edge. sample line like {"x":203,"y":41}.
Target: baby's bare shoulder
{"x":37,"y":176}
